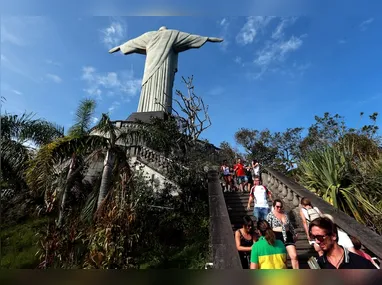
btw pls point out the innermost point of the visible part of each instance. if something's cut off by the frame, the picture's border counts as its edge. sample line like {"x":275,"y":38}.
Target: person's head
{"x":257,"y":180}
{"x":324,"y":232}
{"x":254,"y":161}
{"x":278,"y":205}
{"x":356,"y":242}
{"x":224,"y":162}
{"x":306,"y":202}
{"x":239,"y":160}
{"x":248,"y":224}
{"x":265,"y":230}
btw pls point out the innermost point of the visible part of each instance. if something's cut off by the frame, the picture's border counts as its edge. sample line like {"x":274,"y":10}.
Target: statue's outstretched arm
{"x":214,"y":40}
{"x":114,"y":49}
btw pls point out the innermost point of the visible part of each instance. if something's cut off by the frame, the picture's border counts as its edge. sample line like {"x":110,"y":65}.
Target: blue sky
{"x":270,"y":72}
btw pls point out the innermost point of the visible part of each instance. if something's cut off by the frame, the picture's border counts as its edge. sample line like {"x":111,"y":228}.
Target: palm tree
{"x":20,"y":136}
{"x":79,"y":130}
{"x":116,"y":138}
{"x":74,"y":152}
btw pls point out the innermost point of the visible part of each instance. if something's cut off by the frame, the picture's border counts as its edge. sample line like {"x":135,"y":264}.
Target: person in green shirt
{"x":268,"y":252}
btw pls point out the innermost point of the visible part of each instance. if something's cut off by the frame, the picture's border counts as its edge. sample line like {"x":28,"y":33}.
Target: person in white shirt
{"x":260,"y":195}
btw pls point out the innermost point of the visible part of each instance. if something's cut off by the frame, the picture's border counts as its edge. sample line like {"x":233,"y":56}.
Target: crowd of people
{"x":240,"y":176}
{"x":265,"y":240}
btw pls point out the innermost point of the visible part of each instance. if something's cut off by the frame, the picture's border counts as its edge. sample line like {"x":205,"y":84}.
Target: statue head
{"x":162,"y":28}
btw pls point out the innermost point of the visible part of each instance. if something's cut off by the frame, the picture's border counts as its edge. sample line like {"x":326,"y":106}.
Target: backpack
{"x":312,"y":214}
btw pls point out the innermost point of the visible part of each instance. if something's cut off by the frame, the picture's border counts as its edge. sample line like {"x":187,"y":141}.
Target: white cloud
{"x":114,"y":34}
{"x":114,"y":106}
{"x":95,"y":120}
{"x":8,"y":37}
{"x":224,"y":25}
{"x":291,"y":45}
{"x":17,"y":92}
{"x":364,"y":24}
{"x":284,"y":23}
{"x":251,"y":28}
{"x":276,"y":49}
{"x":55,"y":78}
{"x":122,"y":83}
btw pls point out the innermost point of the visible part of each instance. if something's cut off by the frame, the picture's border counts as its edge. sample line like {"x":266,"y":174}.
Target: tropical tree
{"x":116,"y":140}
{"x":20,"y":136}
{"x":80,"y":130}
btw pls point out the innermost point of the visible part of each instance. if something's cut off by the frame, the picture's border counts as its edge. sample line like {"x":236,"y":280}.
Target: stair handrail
{"x":370,"y":239}
{"x":222,"y":242}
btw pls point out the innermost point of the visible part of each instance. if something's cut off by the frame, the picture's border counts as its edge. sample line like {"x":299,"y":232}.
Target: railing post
{"x":224,"y":252}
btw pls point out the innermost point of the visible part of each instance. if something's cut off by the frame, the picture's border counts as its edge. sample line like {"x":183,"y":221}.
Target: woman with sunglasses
{"x":245,"y":237}
{"x":284,"y":230}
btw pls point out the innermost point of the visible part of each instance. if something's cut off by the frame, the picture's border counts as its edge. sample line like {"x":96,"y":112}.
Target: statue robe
{"x":161,"y":49}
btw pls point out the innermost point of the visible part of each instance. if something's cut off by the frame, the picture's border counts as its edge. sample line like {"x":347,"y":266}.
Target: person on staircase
{"x":256,"y":169}
{"x":343,"y":239}
{"x":268,"y":252}
{"x":308,"y":213}
{"x":240,"y":174}
{"x":245,"y":238}
{"x":260,"y":195}
{"x":324,"y":231}
{"x":226,"y":172}
{"x":284,"y":230}
{"x":357,"y":246}
{"x":248,"y":174}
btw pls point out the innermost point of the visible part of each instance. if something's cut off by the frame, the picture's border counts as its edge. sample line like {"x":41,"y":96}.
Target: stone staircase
{"x":236,"y":203}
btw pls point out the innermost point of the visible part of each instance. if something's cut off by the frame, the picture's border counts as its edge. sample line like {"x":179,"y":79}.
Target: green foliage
{"x":227,"y":152}
{"x":16,"y":131}
{"x":19,"y":244}
{"x":83,"y":118}
{"x":348,"y":182}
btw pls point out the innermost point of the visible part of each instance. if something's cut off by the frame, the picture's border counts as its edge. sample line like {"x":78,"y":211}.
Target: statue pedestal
{"x":146,"y":116}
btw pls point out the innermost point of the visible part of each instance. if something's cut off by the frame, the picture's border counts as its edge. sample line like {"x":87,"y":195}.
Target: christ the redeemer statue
{"x":161,"y":49}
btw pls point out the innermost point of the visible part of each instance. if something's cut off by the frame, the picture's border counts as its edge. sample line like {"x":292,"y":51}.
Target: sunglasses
{"x":278,"y":207}
{"x":320,"y":238}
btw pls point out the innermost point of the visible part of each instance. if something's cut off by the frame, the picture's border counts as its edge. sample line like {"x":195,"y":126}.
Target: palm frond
{"x":83,"y":118}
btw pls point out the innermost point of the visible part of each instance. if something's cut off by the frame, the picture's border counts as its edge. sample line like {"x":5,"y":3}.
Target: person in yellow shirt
{"x":268,"y":252}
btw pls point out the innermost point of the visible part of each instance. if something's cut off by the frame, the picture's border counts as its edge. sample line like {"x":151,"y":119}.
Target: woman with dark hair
{"x":284,"y":230}
{"x":268,"y":252}
{"x":245,"y":237}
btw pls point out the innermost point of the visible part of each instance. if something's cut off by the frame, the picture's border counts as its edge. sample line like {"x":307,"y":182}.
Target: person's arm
{"x":249,"y":201}
{"x":305,"y":224}
{"x":254,"y":265}
{"x":238,"y":246}
{"x":269,"y":193}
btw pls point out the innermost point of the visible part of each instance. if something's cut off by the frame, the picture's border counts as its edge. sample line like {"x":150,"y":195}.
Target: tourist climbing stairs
{"x":237,"y":202}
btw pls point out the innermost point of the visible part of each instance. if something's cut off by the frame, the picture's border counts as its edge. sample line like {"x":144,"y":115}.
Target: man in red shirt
{"x":240,"y":174}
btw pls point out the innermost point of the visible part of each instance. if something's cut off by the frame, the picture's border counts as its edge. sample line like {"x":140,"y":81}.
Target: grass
{"x":19,"y":244}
